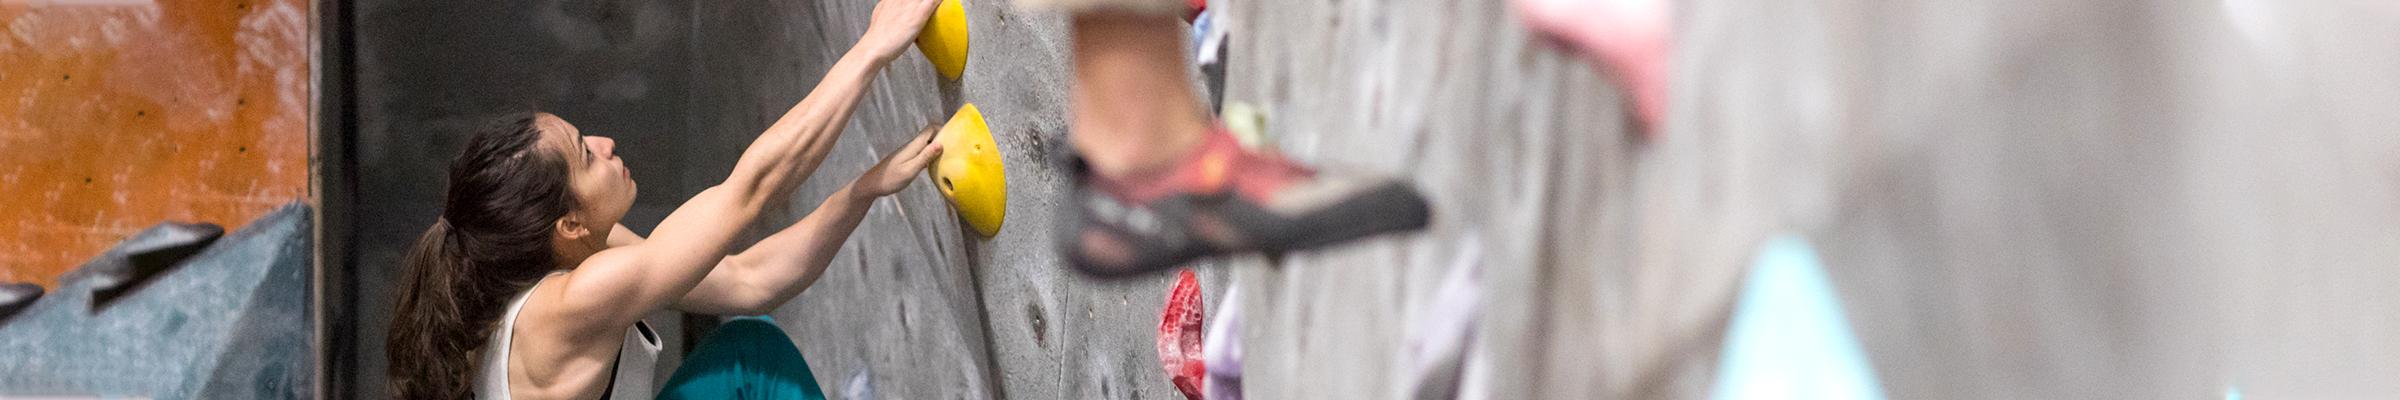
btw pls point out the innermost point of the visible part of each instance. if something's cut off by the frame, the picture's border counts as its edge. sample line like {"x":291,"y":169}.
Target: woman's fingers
{"x":925,"y":158}
{"x":925,"y":137}
{"x":927,"y":145}
{"x":918,"y":153}
{"x":894,"y":23}
{"x":908,"y":15}
{"x":909,"y":149}
{"x":901,"y":167}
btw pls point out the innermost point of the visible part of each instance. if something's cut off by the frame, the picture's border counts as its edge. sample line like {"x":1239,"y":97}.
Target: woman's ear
{"x":572,"y":228}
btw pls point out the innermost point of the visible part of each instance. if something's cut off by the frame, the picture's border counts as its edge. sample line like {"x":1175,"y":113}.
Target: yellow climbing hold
{"x":969,"y":172}
{"x":944,"y":39}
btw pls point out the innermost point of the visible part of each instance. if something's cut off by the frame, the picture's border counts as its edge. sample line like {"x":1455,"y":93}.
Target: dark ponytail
{"x":491,"y":242}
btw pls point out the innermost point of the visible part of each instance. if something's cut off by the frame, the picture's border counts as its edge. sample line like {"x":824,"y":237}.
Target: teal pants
{"x":747,"y":358}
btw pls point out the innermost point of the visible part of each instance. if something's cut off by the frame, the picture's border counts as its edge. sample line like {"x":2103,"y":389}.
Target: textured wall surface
{"x":2017,"y":200}
{"x":1525,"y":156}
{"x":117,"y":115}
{"x":2075,"y":199}
{"x":914,"y":296}
{"x":230,"y":322}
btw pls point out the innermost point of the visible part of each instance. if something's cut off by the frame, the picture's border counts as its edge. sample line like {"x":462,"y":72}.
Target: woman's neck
{"x":571,"y":253}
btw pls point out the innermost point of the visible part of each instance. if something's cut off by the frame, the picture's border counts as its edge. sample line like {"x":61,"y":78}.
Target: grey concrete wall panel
{"x":2018,"y":200}
{"x":921,"y":307}
{"x":2074,"y":199}
{"x":230,"y":322}
{"x":1524,"y":154}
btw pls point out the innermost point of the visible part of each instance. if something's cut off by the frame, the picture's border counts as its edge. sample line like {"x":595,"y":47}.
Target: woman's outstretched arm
{"x":618,"y":286}
{"x":786,"y":263}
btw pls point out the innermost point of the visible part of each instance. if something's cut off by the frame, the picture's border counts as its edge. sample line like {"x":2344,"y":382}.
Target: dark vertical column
{"x":333,"y":183}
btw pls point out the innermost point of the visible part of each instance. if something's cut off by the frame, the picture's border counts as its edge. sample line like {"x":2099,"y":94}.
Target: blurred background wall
{"x":115,"y":115}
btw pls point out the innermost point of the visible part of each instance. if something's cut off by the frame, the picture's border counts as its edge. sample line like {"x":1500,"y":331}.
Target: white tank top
{"x":636,"y":360}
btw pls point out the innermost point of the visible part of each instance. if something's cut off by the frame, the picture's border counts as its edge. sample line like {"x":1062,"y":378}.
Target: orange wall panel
{"x":118,"y":114}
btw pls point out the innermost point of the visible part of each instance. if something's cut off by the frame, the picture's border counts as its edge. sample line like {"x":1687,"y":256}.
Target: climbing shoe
{"x":1222,"y":199}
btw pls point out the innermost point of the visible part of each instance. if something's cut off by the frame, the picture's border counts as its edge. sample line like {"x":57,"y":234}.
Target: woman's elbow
{"x":755,"y":309}
{"x":755,"y":302}
{"x":764,"y":301}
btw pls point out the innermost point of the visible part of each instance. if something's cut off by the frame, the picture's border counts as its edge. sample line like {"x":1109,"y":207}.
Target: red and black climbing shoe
{"x":1222,"y":199}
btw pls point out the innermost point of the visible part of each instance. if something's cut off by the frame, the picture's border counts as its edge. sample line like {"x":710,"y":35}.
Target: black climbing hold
{"x":15,"y":296}
{"x":151,"y":252}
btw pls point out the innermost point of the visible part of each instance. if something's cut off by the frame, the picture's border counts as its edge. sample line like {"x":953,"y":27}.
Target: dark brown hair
{"x":492,"y":242}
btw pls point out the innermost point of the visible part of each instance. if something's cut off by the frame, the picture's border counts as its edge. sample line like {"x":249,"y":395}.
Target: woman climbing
{"x":527,"y":287}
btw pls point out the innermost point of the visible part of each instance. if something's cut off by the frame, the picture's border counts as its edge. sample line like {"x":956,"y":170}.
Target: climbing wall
{"x":115,"y":115}
{"x":2015,"y":200}
{"x":913,"y":305}
{"x":918,"y":307}
{"x":898,"y":302}
{"x":230,"y":321}
{"x":1524,"y":154}
{"x":2076,"y":199}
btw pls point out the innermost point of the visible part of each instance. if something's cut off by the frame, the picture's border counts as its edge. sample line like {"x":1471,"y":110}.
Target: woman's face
{"x":603,"y":188}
